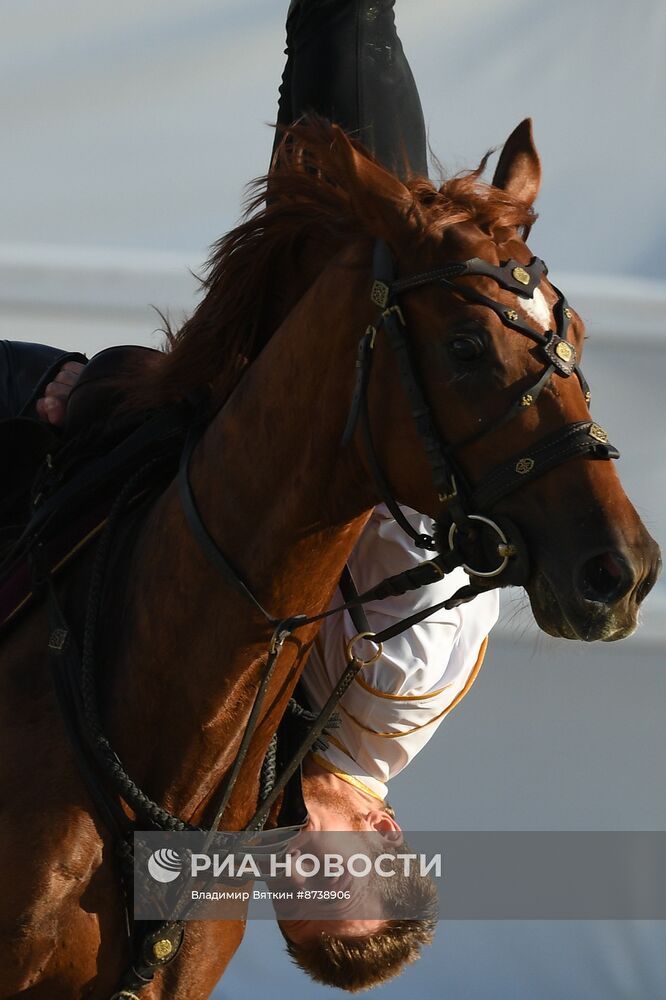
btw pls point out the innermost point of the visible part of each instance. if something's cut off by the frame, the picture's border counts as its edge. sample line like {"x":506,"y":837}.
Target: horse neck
{"x":286,"y":506}
{"x":271,"y":478}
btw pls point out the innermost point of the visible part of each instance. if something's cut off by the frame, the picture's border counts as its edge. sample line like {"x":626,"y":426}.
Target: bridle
{"x":465,"y":508}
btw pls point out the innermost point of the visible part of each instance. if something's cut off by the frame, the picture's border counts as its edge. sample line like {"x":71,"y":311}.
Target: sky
{"x":136,"y":124}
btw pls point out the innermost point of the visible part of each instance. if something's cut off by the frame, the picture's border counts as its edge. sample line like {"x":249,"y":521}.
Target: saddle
{"x":62,"y":483}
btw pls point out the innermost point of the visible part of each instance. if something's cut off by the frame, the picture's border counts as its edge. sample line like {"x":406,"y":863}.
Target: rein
{"x":468,"y":525}
{"x":463,"y":504}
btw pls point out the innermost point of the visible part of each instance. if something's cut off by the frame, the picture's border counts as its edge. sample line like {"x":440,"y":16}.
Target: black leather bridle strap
{"x":346,"y":678}
{"x":526,"y":399}
{"x":437,"y":274}
{"x":232,"y":775}
{"x":358,"y":413}
{"x":315,"y":731}
{"x":446,"y":483}
{"x":196,"y":525}
{"x":350,"y":596}
{"x":504,"y":275}
{"x":581,"y":439}
{"x":421,"y":541}
{"x":364,"y":356}
{"x":505,"y":314}
{"x":353,"y":604}
{"x":442,"y":474}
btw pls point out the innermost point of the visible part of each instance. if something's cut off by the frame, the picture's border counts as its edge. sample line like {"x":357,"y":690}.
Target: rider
{"x":345,"y":61}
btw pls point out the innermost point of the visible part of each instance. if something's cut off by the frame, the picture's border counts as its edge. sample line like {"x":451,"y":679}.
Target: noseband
{"x":466,"y":507}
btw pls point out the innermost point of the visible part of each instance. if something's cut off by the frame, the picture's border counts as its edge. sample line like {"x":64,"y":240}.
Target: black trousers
{"x":346,"y":63}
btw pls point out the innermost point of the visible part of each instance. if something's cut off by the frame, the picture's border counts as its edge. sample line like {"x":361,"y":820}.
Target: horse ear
{"x":518,"y":171}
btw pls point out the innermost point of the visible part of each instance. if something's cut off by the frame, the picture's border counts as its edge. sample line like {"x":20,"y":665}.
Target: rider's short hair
{"x":356,"y":964}
{"x":359,"y":963}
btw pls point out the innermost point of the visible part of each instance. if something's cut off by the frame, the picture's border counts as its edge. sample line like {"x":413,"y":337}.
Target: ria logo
{"x":165,"y":865}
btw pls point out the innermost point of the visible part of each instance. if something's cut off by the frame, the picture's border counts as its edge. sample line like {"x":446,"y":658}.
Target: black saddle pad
{"x":75,"y":484}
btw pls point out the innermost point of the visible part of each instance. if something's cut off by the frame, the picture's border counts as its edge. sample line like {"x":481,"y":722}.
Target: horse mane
{"x":323,"y":192}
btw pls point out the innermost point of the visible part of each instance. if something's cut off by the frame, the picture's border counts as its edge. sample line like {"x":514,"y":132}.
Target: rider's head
{"x":356,"y":955}
{"x":344,"y":951}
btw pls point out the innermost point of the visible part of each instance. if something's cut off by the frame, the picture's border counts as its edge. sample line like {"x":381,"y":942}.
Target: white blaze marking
{"x":536,"y":308}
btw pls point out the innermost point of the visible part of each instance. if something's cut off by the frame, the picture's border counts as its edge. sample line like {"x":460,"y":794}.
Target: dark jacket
{"x":25,"y":370}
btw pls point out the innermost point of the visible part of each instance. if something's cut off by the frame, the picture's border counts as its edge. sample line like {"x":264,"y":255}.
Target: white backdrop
{"x":129,"y":130}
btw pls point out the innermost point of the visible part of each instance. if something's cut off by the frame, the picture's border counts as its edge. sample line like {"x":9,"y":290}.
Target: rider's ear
{"x":518,"y":170}
{"x":386,"y":825}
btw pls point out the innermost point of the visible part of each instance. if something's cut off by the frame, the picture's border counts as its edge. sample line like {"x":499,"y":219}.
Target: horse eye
{"x":467,"y":348}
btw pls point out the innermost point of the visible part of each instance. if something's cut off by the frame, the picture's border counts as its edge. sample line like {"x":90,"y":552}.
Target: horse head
{"x":469,"y":402}
{"x":477,"y":411}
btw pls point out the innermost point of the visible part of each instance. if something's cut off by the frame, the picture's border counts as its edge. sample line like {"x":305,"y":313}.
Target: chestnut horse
{"x":286,"y":503}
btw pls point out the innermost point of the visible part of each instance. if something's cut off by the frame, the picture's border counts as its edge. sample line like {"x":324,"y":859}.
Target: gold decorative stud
{"x":564,"y":350}
{"x":524,"y":465}
{"x":511,"y":314}
{"x":526,"y":400}
{"x":588,"y":396}
{"x":57,"y":639}
{"x":598,"y":433}
{"x":568,"y":313}
{"x":380,"y":294}
{"x":521,"y":275}
{"x":162,"y":949}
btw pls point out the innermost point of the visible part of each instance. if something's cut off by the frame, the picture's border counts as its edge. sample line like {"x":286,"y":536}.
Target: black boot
{"x":346,"y":63}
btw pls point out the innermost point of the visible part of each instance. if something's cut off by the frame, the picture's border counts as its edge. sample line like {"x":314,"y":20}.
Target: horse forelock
{"x":323,"y":192}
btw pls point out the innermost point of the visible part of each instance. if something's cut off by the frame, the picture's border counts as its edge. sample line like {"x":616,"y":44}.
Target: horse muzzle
{"x":602,"y":597}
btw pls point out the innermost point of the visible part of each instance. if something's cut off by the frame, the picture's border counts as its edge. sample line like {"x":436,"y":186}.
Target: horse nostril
{"x":604,"y":578}
{"x":648,"y":582}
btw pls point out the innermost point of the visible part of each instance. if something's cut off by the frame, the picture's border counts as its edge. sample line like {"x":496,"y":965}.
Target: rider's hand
{"x":52,"y":406}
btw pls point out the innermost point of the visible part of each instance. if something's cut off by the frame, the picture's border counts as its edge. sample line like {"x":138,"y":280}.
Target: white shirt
{"x":395,"y":705}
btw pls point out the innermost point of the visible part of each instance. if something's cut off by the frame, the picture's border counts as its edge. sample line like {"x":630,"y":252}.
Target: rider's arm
{"x":397,"y":703}
{"x":34,"y":379}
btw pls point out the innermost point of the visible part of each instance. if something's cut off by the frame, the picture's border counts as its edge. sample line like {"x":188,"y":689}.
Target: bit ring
{"x":504,"y":549}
